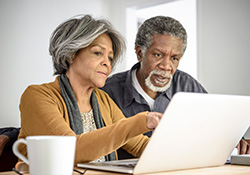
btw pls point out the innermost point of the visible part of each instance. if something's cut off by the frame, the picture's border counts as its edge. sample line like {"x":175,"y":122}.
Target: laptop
{"x":197,"y":130}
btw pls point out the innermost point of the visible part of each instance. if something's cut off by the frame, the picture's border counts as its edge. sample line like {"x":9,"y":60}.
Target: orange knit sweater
{"x":44,"y":112}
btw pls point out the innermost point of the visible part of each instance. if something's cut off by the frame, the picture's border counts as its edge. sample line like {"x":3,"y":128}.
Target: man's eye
{"x":157,"y":55}
{"x":175,"y":58}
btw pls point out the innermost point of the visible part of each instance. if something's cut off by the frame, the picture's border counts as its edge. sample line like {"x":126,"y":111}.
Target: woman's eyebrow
{"x":97,"y":45}
{"x":101,"y":47}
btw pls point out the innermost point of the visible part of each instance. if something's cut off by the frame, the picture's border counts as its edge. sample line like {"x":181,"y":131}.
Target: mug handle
{"x":16,"y":151}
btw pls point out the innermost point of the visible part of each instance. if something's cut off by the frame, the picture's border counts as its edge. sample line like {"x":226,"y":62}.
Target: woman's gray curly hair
{"x":77,"y":33}
{"x":160,"y":25}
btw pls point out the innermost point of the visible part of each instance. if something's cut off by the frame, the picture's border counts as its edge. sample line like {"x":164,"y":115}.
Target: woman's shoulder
{"x":42,"y":89}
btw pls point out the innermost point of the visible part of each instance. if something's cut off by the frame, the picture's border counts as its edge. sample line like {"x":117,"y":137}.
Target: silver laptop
{"x":197,"y":130}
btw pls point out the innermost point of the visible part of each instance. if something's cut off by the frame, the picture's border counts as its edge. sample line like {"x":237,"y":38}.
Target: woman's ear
{"x":138,"y":53}
{"x":69,"y":61}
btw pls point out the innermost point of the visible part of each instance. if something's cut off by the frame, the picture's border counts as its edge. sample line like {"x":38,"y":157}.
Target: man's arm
{"x":243,"y":147}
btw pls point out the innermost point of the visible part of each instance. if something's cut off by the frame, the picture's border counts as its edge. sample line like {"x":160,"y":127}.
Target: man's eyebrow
{"x":174,"y":54}
{"x":177,"y":54}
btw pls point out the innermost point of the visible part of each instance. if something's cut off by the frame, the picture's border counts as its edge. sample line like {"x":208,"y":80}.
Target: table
{"x":220,"y":170}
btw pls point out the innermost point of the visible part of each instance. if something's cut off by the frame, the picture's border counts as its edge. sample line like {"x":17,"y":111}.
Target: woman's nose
{"x":106,"y":61}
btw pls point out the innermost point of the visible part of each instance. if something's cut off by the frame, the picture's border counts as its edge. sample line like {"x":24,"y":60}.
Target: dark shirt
{"x":11,"y":132}
{"x":120,"y":89}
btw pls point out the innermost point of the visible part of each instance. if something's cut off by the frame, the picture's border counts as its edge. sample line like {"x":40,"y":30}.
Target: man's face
{"x":160,"y":62}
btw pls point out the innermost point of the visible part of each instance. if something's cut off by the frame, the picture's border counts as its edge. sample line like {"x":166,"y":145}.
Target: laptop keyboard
{"x":129,"y":165}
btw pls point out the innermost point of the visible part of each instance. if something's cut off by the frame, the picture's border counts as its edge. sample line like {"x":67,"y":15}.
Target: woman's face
{"x":92,"y":65}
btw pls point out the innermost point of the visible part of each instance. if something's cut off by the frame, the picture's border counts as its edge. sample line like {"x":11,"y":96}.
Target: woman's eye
{"x":110,"y":59}
{"x":98,"y":53}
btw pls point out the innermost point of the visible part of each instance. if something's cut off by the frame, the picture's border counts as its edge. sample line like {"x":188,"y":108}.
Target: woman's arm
{"x":43,"y":112}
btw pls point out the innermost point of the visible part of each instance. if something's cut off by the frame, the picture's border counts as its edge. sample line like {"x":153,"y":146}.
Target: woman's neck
{"x":82,"y":93}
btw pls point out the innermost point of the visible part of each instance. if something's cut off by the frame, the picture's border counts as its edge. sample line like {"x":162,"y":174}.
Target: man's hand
{"x":243,"y":147}
{"x":153,"y":119}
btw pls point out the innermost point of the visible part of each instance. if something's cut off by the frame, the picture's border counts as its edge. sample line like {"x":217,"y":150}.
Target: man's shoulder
{"x":183,"y":77}
{"x":182,"y":74}
{"x":117,"y":78}
{"x":116,"y":84}
{"x":185,"y":82}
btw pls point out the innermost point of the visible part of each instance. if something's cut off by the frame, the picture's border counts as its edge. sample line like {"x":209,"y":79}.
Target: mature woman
{"x":84,"y":51}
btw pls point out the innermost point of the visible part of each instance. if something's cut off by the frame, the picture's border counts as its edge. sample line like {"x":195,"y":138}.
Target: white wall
{"x":223,"y":46}
{"x":25,"y":28}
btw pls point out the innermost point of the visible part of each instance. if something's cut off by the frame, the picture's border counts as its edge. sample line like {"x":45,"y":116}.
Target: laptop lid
{"x":197,"y":130}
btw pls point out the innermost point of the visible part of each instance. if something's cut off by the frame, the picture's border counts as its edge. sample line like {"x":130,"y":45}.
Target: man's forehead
{"x":165,"y":42}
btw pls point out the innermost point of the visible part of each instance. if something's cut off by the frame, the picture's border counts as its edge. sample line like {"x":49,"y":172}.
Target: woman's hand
{"x":153,"y":119}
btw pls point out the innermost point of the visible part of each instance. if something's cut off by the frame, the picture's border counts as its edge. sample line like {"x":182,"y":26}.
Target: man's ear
{"x":138,"y":53}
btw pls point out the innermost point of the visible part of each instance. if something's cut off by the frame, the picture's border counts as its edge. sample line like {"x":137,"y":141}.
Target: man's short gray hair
{"x":77,"y":33}
{"x":160,"y":25}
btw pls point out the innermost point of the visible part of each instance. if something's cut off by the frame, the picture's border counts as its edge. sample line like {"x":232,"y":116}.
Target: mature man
{"x":151,"y":83}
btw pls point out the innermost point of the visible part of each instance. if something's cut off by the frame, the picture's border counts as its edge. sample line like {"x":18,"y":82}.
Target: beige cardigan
{"x":44,"y":112}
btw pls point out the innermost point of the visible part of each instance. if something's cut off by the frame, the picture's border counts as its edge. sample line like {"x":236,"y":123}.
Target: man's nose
{"x":166,"y":64}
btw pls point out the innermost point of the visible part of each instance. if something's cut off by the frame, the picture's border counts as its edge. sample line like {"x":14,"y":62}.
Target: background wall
{"x":223,"y":42}
{"x":25,"y":30}
{"x":223,"y":46}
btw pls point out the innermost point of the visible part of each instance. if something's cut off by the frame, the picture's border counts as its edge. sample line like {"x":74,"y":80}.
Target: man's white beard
{"x":154,"y":88}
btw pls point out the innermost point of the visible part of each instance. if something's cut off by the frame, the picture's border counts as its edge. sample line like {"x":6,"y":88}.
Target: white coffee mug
{"x":50,"y":155}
